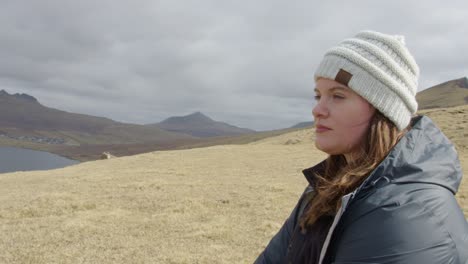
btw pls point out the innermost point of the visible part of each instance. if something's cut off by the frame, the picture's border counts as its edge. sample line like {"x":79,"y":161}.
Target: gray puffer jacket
{"x":405,"y":211}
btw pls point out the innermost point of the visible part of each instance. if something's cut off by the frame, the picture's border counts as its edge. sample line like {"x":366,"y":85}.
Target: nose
{"x":320,"y":110}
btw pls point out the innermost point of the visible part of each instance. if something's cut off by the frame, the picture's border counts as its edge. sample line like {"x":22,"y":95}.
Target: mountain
{"x":303,"y":124}
{"x":18,"y":96}
{"x":199,"y":125}
{"x":447,"y":94}
{"x":22,"y":116}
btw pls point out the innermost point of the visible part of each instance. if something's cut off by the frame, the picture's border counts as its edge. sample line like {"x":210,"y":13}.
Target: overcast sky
{"x":248,"y":63}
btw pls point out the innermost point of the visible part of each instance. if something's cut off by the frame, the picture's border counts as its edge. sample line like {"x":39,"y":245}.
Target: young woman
{"x":386,"y":192}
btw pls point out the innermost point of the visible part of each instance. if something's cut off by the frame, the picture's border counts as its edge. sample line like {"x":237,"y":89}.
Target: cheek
{"x":355,"y":127}
{"x":354,"y":124}
{"x":356,"y":133}
{"x":356,"y":115}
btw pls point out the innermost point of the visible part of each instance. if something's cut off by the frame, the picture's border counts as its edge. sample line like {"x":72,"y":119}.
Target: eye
{"x":338,"y":96}
{"x":317,"y":97}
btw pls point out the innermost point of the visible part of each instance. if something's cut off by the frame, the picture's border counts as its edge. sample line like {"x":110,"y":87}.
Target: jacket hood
{"x":423,"y":155}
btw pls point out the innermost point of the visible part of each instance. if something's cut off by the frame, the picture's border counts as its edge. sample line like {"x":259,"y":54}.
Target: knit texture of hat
{"x":379,"y":68}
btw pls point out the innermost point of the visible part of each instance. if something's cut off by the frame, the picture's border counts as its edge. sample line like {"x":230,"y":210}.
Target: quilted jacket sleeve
{"x":425,"y":228}
{"x":276,"y":250}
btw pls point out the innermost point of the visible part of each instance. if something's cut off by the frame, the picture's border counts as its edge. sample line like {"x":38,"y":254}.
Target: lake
{"x":18,"y":159}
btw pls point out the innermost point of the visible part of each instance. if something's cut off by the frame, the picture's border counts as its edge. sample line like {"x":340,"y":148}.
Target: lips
{"x":321,"y":129}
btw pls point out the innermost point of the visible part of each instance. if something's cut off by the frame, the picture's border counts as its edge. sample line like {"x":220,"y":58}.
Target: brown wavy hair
{"x":340,"y":177}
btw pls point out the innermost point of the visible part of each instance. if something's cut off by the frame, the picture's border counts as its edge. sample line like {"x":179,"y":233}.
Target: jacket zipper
{"x":344,"y":202}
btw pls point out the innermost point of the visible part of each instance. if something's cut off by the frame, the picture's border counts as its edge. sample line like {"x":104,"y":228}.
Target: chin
{"x":330,"y":150}
{"x":322,"y":147}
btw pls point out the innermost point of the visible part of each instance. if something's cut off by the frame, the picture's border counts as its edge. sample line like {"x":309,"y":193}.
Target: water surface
{"x":18,"y":159}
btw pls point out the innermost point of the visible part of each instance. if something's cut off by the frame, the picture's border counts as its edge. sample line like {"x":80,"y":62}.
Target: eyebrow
{"x":334,"y":88}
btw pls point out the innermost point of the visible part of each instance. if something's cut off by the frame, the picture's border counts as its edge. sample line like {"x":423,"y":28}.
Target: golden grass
{"x":219,"y":204}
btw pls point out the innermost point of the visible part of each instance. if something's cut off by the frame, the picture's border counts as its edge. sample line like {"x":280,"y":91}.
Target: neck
{"x":350,"y":157}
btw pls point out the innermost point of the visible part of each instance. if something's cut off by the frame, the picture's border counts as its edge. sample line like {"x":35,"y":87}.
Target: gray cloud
{"x":249,"y":64}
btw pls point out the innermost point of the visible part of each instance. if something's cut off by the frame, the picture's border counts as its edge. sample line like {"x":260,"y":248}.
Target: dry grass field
{"x":218,"y":204}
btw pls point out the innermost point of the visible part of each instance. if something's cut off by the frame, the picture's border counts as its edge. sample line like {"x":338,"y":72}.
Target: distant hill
{"x":447,"y":94}
{"x":26,"y":123}
{"x":303,"y":124}
{"x":199,"y":125}
{"x":22,"y":116}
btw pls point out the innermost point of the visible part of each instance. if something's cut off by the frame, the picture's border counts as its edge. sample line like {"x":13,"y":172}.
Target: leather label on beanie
{"x":343,"y":77}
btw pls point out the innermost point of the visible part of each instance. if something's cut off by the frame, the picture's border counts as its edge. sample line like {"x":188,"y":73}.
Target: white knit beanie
{"x":379,"y":68}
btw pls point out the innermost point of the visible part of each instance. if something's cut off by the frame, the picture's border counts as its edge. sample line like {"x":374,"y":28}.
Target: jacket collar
{"x":310,"y":173}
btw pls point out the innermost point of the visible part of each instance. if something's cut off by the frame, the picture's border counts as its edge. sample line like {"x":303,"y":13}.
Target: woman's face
{"x":342,"y":118}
